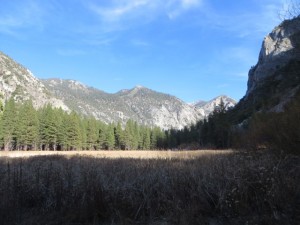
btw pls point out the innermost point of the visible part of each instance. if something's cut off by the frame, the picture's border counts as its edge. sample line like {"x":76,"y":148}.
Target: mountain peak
{"x":19,"y":83}
{"x":209,"y":106}
{"x":139,"y":87}
{"x":141,"y":104}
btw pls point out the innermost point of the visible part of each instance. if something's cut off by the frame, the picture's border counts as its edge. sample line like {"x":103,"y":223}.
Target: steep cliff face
{"x":280,"y":47}
{"x":275,"y":80}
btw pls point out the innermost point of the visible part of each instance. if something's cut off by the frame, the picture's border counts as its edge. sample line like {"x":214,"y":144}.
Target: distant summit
{"x":209,"y":106}
{"x":140,"y":104}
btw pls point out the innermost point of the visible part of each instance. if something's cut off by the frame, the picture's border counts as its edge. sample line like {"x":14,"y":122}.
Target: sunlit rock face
{"x":274,"y":81}
{"x":19,"y":83}
{"x":140,"y":104}
{"x":279,"y":48}
{"x":208,"y":107}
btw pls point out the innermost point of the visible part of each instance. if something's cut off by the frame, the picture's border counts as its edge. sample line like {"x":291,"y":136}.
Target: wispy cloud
{"x":176,"y":8}
{"x":119,"y":11}
{"x":27,"y":13}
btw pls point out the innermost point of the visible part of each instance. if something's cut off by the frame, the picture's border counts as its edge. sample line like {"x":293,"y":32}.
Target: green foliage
{"x":213,"y":132}
{"x":109,"y":137}
{"x":27,"y":127}
{"x":91,"y":133}
{"x":49,"y":128}
{"x":73,"y":135}
{"x":9,"y":125}
{"x":24,"y":128}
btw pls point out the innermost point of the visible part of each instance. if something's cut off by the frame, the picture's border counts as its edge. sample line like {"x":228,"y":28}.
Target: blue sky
{"x":193,"y":49}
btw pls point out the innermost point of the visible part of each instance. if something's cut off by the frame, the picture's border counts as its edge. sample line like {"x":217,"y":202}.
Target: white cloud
{"x":141,"y":9}
{"x":117,"y":11}
{"x":176,"y":8}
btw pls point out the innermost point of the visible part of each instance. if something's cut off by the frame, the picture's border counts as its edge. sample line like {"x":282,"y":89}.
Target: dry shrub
{"x":279,"y":132}
{"x":219,"y":189}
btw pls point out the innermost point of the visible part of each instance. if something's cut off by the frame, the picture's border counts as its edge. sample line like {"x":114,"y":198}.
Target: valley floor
{"x":149,"y":187}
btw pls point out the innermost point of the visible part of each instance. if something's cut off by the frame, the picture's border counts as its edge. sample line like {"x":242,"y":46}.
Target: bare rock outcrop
{"x":279,"y":48}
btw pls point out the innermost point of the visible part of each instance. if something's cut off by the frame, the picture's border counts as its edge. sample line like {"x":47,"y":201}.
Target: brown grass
{"x":118,"y":154}
{"x":196,"y":188}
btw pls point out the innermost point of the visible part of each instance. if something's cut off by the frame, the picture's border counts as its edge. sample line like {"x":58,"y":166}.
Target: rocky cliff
{"x":279,"y":48}
{"x":18,"y":82}
{"x":275,"y":79}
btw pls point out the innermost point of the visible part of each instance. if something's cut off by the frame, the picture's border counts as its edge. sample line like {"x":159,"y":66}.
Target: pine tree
{"x":153,"y":139}
{"x":101,"y":135}
{"x":73,"y":137}
{"x":28,"y":127}
{"x":83,"y":134}
{"x":48,"y":128}
{"x":91,"y":133}
{"x":146,"y":140}
{"x":61,"y":122}
{"x":9,"y":125}
{"x":119,"y":136}
{"x":136,"y":140}
{"x":109,"y":141}
{"x":128,"y":139}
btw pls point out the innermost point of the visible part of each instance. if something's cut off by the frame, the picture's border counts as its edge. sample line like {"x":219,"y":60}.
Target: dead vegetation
{"x":118,"y":154}
{"x":234,"y":188}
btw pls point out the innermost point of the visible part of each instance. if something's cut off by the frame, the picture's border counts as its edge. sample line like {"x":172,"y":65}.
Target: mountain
{"x":18,"y":82}
{"x":275,"y":80}
{"x":208,"y":107}
{"x":140,"y":104}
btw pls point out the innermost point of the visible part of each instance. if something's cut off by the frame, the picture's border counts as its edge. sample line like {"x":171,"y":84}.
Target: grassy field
{"x":118,"y":154}
{"x":198,"y":187}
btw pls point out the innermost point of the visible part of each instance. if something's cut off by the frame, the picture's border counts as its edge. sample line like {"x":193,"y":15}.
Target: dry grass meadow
{"x":149,"y":187}
{"x":117,"y":154}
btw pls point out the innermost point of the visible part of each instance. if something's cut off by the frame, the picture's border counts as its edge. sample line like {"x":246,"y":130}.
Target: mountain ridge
{"x":139,"y":103}
{"x":18,"y":82}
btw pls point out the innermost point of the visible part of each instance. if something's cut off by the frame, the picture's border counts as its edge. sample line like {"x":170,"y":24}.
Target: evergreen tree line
{"x":278,"y":132}
{"x":22,"y":127}
{"x":215,"y":131}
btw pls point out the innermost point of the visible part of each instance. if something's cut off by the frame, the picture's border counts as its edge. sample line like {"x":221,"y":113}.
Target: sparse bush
{"x":279,"y":132}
